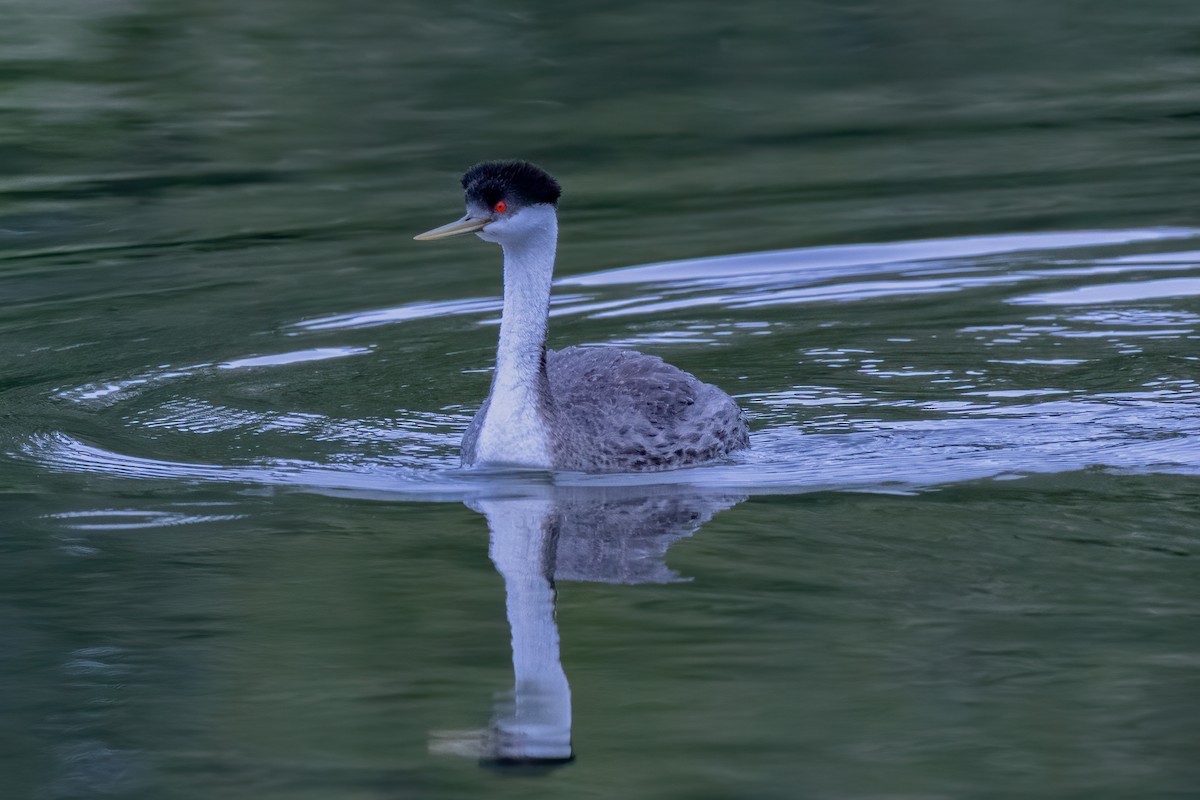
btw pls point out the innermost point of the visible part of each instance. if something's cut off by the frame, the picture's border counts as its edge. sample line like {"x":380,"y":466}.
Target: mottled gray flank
{"x":614,"y":410}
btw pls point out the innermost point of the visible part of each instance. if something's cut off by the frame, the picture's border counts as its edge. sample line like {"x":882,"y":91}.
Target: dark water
{"x":959,"y":561}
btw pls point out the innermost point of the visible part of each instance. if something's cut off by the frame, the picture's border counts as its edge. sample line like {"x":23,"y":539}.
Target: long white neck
{"x":538,"y":724}
{"x":516,"y":429}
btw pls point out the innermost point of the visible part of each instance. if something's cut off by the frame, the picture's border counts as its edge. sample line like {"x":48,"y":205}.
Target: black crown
{"x":512,"y":181}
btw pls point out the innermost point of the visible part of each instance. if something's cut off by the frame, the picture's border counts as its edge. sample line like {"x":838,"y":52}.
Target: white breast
{"x":513,"y":431}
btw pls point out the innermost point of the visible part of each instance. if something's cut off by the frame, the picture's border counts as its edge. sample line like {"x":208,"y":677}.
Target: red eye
{"x":501,"y":207}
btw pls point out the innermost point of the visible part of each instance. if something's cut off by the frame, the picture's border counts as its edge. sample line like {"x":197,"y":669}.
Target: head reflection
{"x":605,"y":535}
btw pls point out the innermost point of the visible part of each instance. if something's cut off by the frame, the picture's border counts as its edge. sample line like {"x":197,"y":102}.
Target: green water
{"x":943,"y":253}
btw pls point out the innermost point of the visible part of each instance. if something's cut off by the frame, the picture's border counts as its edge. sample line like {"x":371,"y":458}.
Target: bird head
{"x":505,"y":201}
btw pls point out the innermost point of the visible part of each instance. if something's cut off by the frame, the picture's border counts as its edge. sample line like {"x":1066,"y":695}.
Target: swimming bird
{"x":584,"y":409}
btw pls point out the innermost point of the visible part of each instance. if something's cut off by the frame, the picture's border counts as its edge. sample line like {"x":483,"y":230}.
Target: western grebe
{"x":586,"y":409}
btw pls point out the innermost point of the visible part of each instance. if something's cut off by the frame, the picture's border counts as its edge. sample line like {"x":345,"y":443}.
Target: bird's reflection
{"x":606,"y":535}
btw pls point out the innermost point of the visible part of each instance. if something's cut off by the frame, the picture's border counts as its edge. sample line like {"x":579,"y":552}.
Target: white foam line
{"x":838,"y":257}
{"x":296,"y":357}
{"x":1114,"y":293}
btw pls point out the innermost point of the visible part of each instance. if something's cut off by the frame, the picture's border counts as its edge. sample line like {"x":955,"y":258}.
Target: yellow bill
{"x":457,"y":228}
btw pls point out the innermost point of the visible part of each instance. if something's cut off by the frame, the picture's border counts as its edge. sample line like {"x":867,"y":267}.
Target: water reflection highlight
{"x":607,"y":535}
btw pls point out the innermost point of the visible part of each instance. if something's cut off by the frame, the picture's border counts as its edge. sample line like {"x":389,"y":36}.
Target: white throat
{"x":516,"y":427}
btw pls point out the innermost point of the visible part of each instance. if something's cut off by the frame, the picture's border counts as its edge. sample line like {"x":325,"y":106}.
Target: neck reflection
{"x":606,"y":535}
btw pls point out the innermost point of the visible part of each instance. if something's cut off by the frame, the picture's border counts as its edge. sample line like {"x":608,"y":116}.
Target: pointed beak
{"x":467,"y":224}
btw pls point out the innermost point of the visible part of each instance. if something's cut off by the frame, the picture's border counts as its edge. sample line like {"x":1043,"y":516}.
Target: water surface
{"x":946,"y":258}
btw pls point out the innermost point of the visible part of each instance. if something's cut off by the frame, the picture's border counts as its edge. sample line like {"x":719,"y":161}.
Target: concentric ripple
{"x":1087,"y":360}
